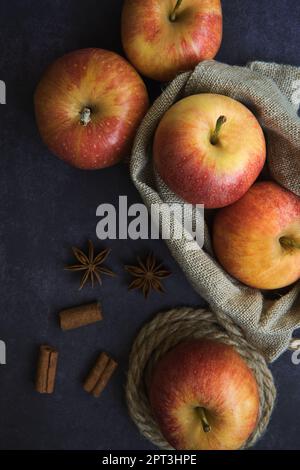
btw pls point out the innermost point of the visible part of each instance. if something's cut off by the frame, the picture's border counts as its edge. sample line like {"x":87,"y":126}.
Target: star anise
{"x":91,"y":264}
{"x":148,"y":275}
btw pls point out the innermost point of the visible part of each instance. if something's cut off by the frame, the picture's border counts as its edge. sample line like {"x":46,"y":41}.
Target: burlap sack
{"x":270,"y":91}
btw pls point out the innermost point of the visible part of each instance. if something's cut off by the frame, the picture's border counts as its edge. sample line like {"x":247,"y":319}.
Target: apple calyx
{"x":173,"y":15}
{"x":205,"y":424}
{"x":85,"y":116}
{"x":289,"y":243}
{"x":215,"y":135}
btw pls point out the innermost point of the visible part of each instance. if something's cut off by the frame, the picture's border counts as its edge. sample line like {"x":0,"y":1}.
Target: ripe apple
{"x":257,"y":239}
{"x":204,"y":396}
{"x":209,"y":149}
{"x":164,"y":38}
{"x":88,"y":106}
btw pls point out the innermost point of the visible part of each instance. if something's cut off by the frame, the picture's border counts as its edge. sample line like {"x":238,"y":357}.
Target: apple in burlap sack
{"x":257,"y":239}
{"x":209,"y":149}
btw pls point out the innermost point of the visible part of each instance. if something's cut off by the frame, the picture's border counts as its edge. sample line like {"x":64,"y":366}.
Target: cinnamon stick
{"x":100,"y":375}
{"x":46,"y":370}
{"x":80,"y":316}
{"x":105,"y":378}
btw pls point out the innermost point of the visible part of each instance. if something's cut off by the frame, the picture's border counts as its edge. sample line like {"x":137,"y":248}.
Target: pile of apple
{"x":209,"y":149}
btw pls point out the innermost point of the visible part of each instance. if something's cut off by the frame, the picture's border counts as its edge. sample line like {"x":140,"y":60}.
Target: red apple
{"x":163,"y":38}
{"x":257,"y":239}
{"x":209,"y":149}
{"x":88,"y":107}
{"x":204,"y":397}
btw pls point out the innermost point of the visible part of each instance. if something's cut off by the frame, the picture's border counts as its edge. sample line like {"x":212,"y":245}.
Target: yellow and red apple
{"x":88,"y":106}
{"x":164,"y":37}
{"x":204,"y":396}
{"x":257,"y":239}
{"x":209,"y":149}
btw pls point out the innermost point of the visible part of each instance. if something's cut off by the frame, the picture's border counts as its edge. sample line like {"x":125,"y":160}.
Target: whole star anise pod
{"x":148,"y":275}
{"x":91,"y":264}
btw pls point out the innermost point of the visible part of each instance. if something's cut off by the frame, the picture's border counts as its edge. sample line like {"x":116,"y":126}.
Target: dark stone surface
{"x":47,"y":206}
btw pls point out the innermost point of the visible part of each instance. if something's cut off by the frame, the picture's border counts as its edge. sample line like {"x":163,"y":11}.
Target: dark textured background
{"x":47,"y":206}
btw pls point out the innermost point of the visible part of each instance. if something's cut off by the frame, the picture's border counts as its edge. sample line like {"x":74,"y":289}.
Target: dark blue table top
{"x":46,"y":207}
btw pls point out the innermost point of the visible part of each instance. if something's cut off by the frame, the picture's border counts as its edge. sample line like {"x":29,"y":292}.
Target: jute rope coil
{"x":170,"y":328}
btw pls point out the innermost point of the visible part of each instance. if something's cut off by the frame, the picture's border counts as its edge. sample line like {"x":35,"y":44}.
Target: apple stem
{"x":289,"y":243}
{"x":173,"y":15}
{"x":85,"y":116}
{"x":205,"y":424}
{"x":215,"y":135}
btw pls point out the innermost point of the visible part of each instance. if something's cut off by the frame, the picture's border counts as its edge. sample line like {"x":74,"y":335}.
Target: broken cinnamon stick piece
{"x":46,"y":370}
{"x":96,"y":372}
{"x":100,"y":375}
{"x":105,"y":378}
{"x":80,"y":316}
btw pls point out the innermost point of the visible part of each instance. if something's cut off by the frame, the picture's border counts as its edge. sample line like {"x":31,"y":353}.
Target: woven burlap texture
{"x":163,"y":333}
{"x":269,"y":91}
